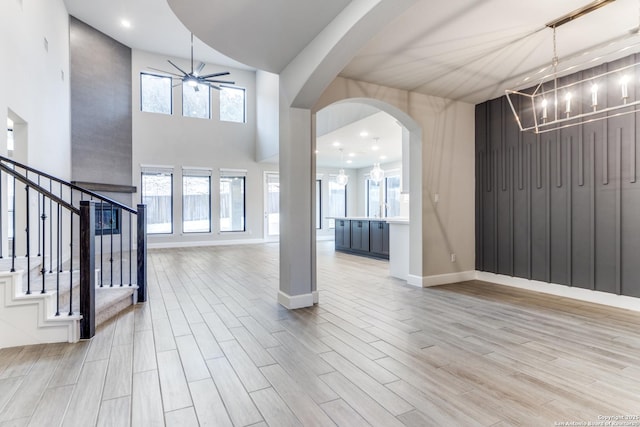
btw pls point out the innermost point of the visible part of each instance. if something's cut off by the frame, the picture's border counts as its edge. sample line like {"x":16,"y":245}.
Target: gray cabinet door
{"x":343,"y":234}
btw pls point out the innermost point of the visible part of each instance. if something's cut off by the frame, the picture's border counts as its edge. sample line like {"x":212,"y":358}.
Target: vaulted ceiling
{"x":469,"y":50}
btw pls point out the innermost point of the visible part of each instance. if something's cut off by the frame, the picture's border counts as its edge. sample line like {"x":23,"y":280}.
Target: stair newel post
{"x":26,"y":189}
{"x":142,"y":252}
{"x":44,"y":243}
{"x":130,"y":250}
{"x":71,"y":255}
{"x":111,"y":222}
{"x":121,"y":235}
{"x":58,"y":269}
{"x":87,"y":269}
{"x":101,"y":244}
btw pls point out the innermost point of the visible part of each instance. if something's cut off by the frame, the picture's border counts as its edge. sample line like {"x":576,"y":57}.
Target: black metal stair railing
{"x":74,"y":225}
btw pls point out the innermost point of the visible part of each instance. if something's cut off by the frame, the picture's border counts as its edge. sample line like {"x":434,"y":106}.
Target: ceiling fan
{"x":193,"y":78}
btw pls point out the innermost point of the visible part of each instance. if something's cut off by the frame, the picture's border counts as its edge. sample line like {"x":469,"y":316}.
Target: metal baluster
{"x":44,"y":243}
{"x":111,"y":253}
{"x":50,"y":230}
{"x":130,"y":251}
{"x":26,"y":189}
{"x":71,"y":255}
{"x":38,"y":198}
{"x":101,"y":227}
{"x":121,"y":234}
{"x":58,"y":261}
{"x":13,"y":240}
{"x":60,"y":236}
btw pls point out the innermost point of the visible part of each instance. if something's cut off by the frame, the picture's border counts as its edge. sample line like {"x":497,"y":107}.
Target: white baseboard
{"x":296,"y":301}
{"x":440,"y":279}
{"x":170,"y":245}
{"x":588,"y":295}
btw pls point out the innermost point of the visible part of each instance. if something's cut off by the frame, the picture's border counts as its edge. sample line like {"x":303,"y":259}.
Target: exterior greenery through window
{"x":196,"y":202}
{"x":157,"y":194}
{"x":373,"y":198}
{"x":337,"y":200}
{"x":232,"y":104}
{"x":196,"y":103}
{"x":392,"y":195}
{"x":232,"y":201}
{"x":155,"y":93}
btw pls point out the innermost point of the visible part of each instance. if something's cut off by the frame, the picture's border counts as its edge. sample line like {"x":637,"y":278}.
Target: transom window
{"x":232,"y":104}
{"x":155,"y":93}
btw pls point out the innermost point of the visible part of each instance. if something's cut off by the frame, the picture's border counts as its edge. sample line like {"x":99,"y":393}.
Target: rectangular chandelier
{"x":550,"y":106}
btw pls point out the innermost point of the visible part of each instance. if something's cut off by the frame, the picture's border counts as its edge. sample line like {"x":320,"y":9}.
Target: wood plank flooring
{"x":212,"y":347}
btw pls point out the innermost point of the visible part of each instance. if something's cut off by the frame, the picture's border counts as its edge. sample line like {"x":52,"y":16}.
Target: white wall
{"x":178,"y":141}
{"x":34,"y":81}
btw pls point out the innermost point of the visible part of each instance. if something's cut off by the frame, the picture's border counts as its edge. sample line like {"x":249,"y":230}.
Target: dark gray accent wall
{"x":563,"y":206}
{"x":101,"y":147}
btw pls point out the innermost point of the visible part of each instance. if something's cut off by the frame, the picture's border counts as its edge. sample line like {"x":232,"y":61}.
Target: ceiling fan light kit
{"x":193,"y":78}
{"x":550,"y":106}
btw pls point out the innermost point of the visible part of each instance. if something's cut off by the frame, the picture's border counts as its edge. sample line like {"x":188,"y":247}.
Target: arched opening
{"x":351,"y":136}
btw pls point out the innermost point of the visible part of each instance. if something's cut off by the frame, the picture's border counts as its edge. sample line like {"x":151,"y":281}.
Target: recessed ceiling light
{"x":336,"y":143}
{"x":125,"y":23}
{"x":375,"y":147}
{"x":364,"y":133}
{"x":349,"y":161}
{"x":383,"y":157}
{"x":352,"y":154}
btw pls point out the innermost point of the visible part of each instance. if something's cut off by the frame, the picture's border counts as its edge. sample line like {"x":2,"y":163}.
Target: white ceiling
{"x":469,"y":50}
{"x":361,"y":151}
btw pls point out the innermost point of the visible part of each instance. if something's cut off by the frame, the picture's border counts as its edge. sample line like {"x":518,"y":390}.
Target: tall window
{"x":337,"y":200}
{"x":157,"y":194}
{"x":232,"y":104}
{"x":196,"y":200}
{"x":232,"y":201}
{"x":318,"y":203}
{"x":373,"y":198}
{"x":392,"y":195}
{"x":155,"y":93}
{"x":196,"y":101}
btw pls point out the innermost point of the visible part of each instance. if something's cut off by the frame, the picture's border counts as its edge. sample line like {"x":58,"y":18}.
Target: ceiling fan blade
{"x":179,"y":69}
{"x":212,"y":85}
{"x":226,"y":82}
{"x":208,"y":76}
{"x":199,"y":69}
{"x":165,"y":72}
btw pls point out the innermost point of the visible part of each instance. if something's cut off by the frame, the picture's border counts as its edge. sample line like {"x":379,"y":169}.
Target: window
{"x":196,"y":200}
{"x":232,"y":201}
{"x":155,"y":93}
{"x":373,"y":198}
{"x":157,"y":194}
{"x":337,"y":200}
{"x":232,"y":104}
{"x":196,"y":101}
{"x":392,"y":195}
{"x":318,"y":203}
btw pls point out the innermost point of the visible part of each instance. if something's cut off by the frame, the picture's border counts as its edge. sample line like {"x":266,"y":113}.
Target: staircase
{"x":84,"y":262}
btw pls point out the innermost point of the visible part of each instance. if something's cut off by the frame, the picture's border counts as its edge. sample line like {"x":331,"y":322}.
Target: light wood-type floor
{"x":212,"y":347}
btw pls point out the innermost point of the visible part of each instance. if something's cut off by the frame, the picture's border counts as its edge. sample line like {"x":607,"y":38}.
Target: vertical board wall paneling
{"x":561,"y":207}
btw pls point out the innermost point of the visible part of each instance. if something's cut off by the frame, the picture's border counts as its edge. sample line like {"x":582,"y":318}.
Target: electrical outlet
{"x":453,"y":257}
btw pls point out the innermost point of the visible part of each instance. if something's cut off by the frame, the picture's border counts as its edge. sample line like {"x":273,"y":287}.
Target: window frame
{"x":243,"y":176}
{"x":170,"y":174}
{"x":209,"y":187}
{"x":170,"y":113}
{"x":244,"y":104}
{"x":318,"y":204}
